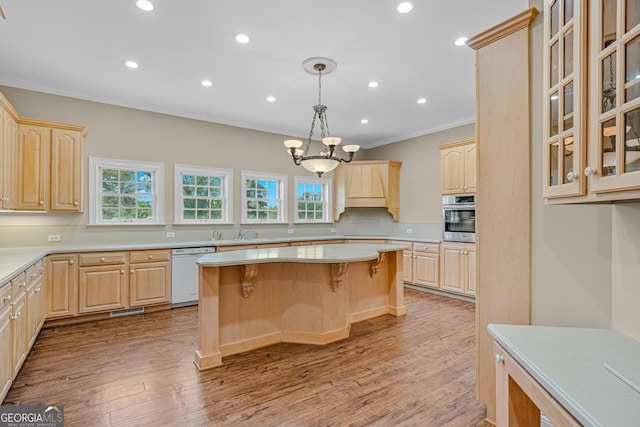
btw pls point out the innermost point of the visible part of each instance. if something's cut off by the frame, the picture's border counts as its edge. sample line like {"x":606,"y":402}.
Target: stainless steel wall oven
{"x":459,"y":218}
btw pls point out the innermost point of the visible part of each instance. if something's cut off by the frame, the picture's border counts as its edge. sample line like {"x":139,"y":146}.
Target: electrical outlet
{"x":290,"y":231}
{"x":54,"y":238}
{"x":409,"y":230}
{"x":171,"y":234}
{"x":333,"y":230}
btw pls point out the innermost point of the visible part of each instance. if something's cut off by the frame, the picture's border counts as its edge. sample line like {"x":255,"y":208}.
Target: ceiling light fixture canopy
{"x":326,"y":160}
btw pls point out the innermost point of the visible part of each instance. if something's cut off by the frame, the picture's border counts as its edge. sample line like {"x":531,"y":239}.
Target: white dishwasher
{"x":184,"y":275}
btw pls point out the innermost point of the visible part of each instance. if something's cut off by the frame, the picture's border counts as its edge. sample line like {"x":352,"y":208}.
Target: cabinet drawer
{"x":5,"y":296}
{"x":18,"y":284}
{"x":408,"y":246}
{"x":32,"y":274}
{"x":431,"y":248}
{"x":102,"y":258}
{"x":149,"y":256}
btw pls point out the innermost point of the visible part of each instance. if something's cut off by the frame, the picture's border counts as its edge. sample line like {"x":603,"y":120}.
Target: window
{"x":263,"y":197}
{"x":313,"y":199}
{"x":125,"y":192}
{"x":203,"y":195}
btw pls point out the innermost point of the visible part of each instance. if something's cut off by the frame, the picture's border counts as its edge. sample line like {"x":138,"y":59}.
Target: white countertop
{"x":303,"y":254}
{"x":570,"y":364}
{"x":15,"y":260}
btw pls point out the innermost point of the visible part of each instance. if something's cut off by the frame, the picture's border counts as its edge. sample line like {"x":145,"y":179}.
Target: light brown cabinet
{"x":426,"y":266}
{"x":458,"y":167}
{"x":62,"y":284}
{"x":458,"y":266}
{"x":102,"y":282}
{"x":36,"y":301}
{"x":41,"y":163}
{"x":19,"y":330}
{"x":367,"y":184}
{"x":6,"y":343}
{"x":591,"y":128}
{"x":150,"y":278}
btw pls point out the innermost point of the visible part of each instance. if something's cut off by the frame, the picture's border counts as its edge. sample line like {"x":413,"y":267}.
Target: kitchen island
{"x":308,"y":294}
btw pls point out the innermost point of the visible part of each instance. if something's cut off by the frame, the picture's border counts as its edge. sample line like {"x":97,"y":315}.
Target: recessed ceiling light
{"x":364,"y":121}
{"x":373,"y":84}
{"x":145,"y":5}
{"x":242,"y":38}
{"x":422,"y":101}
{"x":206,"y":83}
{"x":461,"y":41}
{"x":271,"y":98}
{"x":131,"y":64}
{"x":405,"y":6}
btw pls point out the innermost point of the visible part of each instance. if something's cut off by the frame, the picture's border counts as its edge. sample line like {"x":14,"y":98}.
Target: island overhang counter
{"x":253,"y":298}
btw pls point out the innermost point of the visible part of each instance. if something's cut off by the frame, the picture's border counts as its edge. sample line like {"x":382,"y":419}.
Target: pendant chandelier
{"x":326,"y":159}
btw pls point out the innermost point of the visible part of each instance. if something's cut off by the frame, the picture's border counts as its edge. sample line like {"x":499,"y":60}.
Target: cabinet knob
{"x":33,"y":275}
{"x":71,"y":262}
{"x":132,"y":271}
{"x":588,"y":171}
{"x":7,"y":298}
{"x":150,"y":256}
{"x":103,"y":259}
{"x":572,"y":176}
{"x":17,"y":314}
{"x":23,"y":284}
{"x":37,"y":289}
{"x":499,"y":358}
{"x":42,"y":202}
{"x":75,"y":203}
{"x":121,"y":271}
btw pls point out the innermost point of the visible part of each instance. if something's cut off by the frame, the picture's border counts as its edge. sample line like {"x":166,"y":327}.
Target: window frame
{"x":96,"y":164}
{"x":227,"y":193}
{"x":282,"y":196}
{"x":326,"y":184}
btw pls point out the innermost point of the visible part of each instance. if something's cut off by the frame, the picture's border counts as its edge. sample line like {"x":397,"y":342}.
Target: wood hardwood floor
{"x":416,"y":370}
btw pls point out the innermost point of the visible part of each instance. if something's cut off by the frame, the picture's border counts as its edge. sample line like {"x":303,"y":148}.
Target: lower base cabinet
{"x":420,"y":263}
{"x":6,"y":351}
{"x":101,"y":288}
{"x":458,"y":265}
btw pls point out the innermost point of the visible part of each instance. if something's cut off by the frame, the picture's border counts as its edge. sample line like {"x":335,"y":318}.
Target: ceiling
{"x":76,"y":48}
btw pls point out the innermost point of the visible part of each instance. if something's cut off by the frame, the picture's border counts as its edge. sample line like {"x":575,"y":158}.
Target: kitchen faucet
{"x":243,"y":234}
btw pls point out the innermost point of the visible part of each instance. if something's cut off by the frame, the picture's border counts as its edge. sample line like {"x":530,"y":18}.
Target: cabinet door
{"x":66,"y":171}
{"x":407,"y":266}
{"x":6,"y":352}
{"x":149,"y":283}
{"x":452,"y":170}
{"x":61,"y":278}
{"x":452,"y":269}
{"x":31,"y":169}
{"x":19,"y":331}
{"x":564,"y":116}
{"x":31,"y":311}
{"x":470,"y":168}
{"x":471,"y":273}
{"x":102,"y":288}
{"x":426,"y":269}
{"x":9,"y":138}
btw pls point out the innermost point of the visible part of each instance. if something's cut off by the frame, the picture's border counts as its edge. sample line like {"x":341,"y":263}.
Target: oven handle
{"x":458,"y":207}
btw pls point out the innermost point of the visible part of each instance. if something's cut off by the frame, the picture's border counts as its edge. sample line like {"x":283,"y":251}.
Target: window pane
{"x":144,"y":214}
{"x":144,"y":188}
{"x":553,"y":77}
{"x":633,"y":14}
{"x":188,"y":191}
{"x":216,"y":214}
{"x":109,"y":175}
{"x":568,"y":53}
{"x":188,"y":179}
{"x":202,"y":180}
{"x":568,"y":10}
{"x":110,"y":201}
{"x":109,"y":214}
{"x":128,"y":201}
{"x":127,"y":187}
{"x":555,"y":18}
{"x":567,"y":159}
{"x":609,"y":11}
{"x":127,"y":175}
{"x":202,"y":191}
{"x":553,"y":164}
{"x":189,"y":214}
{"x":609,"y":83}
{"x":568,"y":107}
{"x":632,"y":69}
{"x":110,"y":187}
{"x":203,"y":204}
{"x":144,"y":176}
{"x":608,"y":139}
{"x":632,"y":141}
{"x":189,"y":203}
{"x":553,"y":114}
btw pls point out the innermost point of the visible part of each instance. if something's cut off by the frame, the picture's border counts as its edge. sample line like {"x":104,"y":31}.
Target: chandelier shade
{"x":326,"y":159}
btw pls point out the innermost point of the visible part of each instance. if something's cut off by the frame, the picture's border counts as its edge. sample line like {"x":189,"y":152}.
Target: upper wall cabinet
{"x":458,"y":167}
{"x":367,"y":184}
{"x":41,"y":164}
{"x":591,"y":129}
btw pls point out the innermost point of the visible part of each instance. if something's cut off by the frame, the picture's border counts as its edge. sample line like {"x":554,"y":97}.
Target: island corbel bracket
{"x":373,"y":269}
{"x":249,"y":272}
{"x":337,"y":274}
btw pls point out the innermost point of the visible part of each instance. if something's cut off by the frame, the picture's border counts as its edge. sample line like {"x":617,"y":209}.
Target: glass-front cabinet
{"x":564,"y":65}
{"x":614,"y":161}
{"x":591,"y":128}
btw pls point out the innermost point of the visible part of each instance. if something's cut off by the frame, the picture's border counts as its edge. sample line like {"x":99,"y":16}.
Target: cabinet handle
{"x":7,"y":298}
{"x":150,"y":256}
{"x":37,"y":289}
{"x":499,"y":358}
{"x":121,"y":271}
{"x":33,"y":275}
{"x":71,"y":262}
{"x":40,"y":269}
{"x":17,"y":314}
{"x":572,"y":176}
{"x":42,"y":202}
{"x":23,"y":284}
{"x":75,"y":203}
{"x":103,"y":259}
{"x":132,"y":271}
{"x":588,"y":171}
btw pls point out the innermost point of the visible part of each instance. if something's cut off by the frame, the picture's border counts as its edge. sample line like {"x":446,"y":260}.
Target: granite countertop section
{"x":302,"y":254}
{"x":570,"y":364}
{"x":15,"y":260}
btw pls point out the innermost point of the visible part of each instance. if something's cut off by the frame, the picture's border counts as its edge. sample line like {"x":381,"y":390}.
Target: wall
{"x":124,"y":133}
